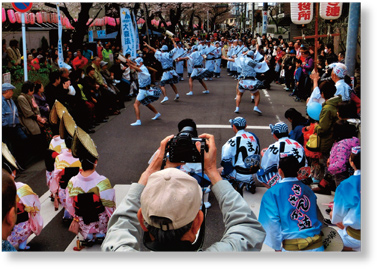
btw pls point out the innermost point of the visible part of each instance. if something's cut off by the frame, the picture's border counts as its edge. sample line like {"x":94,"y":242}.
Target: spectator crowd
{"x":322,"y":147}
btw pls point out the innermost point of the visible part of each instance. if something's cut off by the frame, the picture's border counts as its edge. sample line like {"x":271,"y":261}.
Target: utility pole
{"x":352,"y":33}
{"x":244,"y":17}
{"x":252,"y":18}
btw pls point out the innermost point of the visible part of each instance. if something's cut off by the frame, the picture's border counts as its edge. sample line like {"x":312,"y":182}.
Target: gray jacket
{"x":242,"y":230}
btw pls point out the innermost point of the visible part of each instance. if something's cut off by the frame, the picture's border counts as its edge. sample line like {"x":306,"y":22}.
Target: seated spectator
{"x":238,"y":168}
{"x":12,"y":131}
{"x":93,"y":94}
{"x":14,"y":54}
{"x":117,"y":99}
{"x":30,"y":116}
{"x":87,"y":53}
{"x":325,"y":130}
{"x":41,"y":100}
{"x":339,"y":71}
{"x":345,"y":139}
{"x":346,"y":209}
{"x":52,"y":88}
{"x":64,"y":72}
{"x":117,"y":70}
{"x":348,"y":111}
{"x":32,"y":63}
{"x":176,"y":225}
{"x":288,"y":211}
{"x":81,"y":112}
{"x":298,"y":122}
{"x":4,"y":55}
{"x":270,"y":159}
{"x":80,"y":61}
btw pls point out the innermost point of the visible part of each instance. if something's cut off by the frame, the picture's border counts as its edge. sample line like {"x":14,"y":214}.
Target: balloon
{"x":314,"y":110}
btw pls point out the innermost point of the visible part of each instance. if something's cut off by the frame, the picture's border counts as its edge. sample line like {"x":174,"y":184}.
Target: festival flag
{"x":127,"y":33}
{"x":60,"y":46}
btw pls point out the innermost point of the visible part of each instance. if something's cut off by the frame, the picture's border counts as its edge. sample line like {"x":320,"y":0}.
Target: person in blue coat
{"x":288,"y":211}
{"x":346,"y":209}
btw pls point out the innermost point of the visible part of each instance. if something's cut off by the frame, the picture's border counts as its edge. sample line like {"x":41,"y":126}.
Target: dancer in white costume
{"x":249,"y":67}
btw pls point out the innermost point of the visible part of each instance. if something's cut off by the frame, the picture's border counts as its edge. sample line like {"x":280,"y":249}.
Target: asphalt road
{"x":124,"y":150}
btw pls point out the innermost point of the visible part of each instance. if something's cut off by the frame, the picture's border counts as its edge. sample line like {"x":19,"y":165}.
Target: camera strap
{"x":202,"y":161}
{"x":164,"y":159}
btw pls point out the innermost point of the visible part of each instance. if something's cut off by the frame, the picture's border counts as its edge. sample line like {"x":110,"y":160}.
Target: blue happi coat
{"x":289,"y":211}
{"x":346,"y":209}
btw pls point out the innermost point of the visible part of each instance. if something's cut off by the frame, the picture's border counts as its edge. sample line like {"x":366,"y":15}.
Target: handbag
{"x":75,"y":226}
{"x":313,"y":143}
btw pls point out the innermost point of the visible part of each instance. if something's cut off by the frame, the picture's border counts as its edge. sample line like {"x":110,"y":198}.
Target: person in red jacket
{"x":79,"y":61}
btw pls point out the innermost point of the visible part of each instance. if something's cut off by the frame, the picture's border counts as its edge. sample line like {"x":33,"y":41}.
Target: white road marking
{"x":47,"y":210}
{"x":269,"y":100}
{"x":227,"y":126}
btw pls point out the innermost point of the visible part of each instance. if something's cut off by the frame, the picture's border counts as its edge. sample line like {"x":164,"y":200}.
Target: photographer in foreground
{"x":148,"y":210}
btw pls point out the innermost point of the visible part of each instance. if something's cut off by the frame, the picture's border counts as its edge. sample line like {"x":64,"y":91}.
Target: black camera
{"x":182,"y":149}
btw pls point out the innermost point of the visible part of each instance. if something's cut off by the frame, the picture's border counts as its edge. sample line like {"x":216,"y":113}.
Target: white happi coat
{"x":234,"y":152}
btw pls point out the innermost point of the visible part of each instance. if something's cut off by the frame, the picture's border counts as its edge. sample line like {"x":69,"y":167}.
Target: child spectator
{"x":345,"y":139}
{"x":297,"y":76}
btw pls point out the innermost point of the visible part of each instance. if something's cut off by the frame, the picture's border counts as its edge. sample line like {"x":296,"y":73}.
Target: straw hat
{"x":83,"y":146}
{"x":57,"y":112}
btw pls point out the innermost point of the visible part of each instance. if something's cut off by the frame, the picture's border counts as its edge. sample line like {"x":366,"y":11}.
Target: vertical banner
{"x":60,"y":46}
{"x":137,"y":44}
{"x":264,"y":29}
{"x":127,"y":33}
{"x":24,"y":45}
{"x":90,"y":36}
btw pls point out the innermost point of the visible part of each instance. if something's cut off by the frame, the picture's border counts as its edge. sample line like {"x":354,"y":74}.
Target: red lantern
{"x":11,"y":16}
{"x":49,"y":17}
{"x":118,"y":21}
{"x":66,"y":22}
{"x":26,"y":18}
{"x":18,"y":17}
{"x":111,"y":22}
{"x":39,"y":17}
{"x":3,"y":15}
{"x":44,"y":16}
{"x":32,"y":18}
